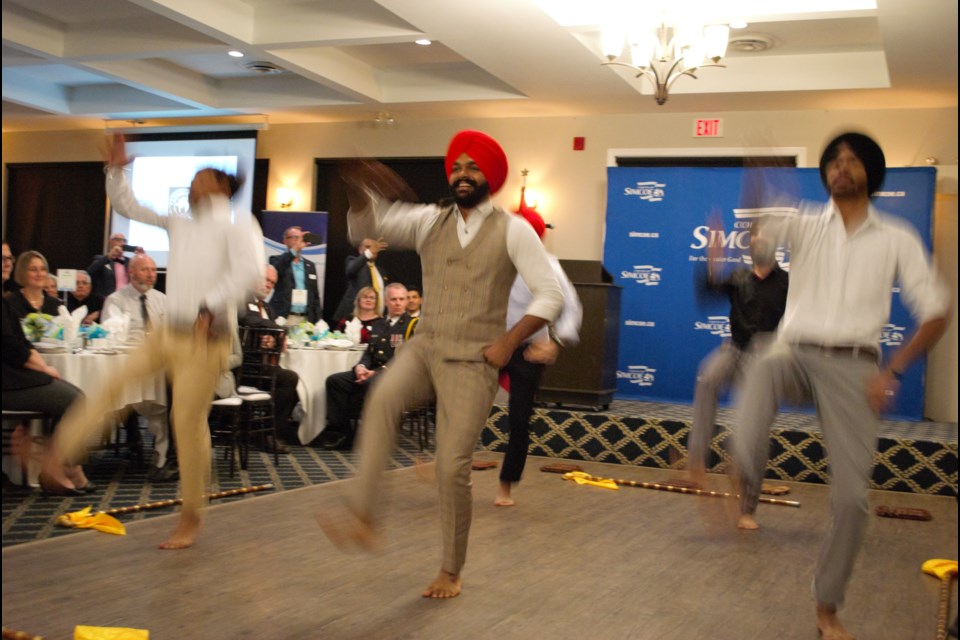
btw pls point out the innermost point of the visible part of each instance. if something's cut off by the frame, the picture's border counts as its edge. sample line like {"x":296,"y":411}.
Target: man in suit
{"x":347,"y":390}
{"x":296,"y":297}
{"x":471,"y":251}
{"x":257,"y":313}
{"x":109,"y":272}
{"x":362,"y":271}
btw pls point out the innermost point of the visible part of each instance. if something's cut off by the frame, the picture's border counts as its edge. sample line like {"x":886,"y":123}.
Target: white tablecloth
{"x":90,"y":371}
{"x":313,"y":366}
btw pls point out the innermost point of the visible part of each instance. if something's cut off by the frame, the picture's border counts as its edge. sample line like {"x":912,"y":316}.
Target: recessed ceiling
{"x":77,"y":63}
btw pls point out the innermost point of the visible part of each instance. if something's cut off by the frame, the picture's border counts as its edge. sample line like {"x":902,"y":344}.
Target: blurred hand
{"x":882,"y":391}
{"x":374,"y":175}
{"x":498,"y":353}
{"x":542,"y":352}
{"x":115,"y":151}
{"x":362,"y":373}
{"x":204,"y":323}
{"x":52,"y":372}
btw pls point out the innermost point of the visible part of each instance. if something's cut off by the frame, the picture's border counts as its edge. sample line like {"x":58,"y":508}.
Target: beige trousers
{"x":464,"y":391}
{"x":193,"y":364}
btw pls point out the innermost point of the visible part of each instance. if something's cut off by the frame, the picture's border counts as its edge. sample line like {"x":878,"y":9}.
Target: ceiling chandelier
{"x":664,"y":52}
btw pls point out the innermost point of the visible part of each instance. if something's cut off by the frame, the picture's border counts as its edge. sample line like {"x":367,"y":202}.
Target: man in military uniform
{"x":346,"y":390}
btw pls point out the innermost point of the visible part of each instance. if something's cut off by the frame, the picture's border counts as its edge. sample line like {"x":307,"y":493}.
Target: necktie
{"x":375,"y":283}
{"x":261,"y":309}
{"x":144,"y":314}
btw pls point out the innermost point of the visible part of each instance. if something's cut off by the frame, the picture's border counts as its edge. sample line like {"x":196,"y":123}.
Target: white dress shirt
{"x":213,"y":262}
{"x":841,"y":286}
{"x":127,"y":300}
{"x":408,"y":226}
{"x":567,"y":325}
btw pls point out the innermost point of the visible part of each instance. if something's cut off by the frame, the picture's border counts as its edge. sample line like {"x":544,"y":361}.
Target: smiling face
{"x":36,"y":274}
{"x":414,"y":301}
{"x":367,"y":301}
{"x":467,"y":183}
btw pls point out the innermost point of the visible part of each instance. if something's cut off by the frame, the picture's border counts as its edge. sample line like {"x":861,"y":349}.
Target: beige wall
{"x":573,"y":183}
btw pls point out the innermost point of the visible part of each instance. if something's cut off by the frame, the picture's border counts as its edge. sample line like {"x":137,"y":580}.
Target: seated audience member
{"x":361,"y":271}
{"x":346,"y":390}
{"x":145,"y":305}
{"x":414,"y":301}
{"x":364,"y":309}
{"x":30,"y":384}
{"x":50,"y":287}
{"x":146,"y":308}
{"x":83,"y":296}
{"x":296,"y":297}
{"x":258,"y":313}
{"x":108,"y":273}
{"x":8,"y":283}
{"x":31,"y":274}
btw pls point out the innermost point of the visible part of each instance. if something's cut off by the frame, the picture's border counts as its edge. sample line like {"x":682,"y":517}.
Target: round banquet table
{"x":313,"y":366}
{"x":90,"y":370}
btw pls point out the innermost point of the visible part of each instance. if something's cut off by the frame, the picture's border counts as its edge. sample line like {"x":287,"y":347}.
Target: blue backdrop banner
{"x":656,"y":242}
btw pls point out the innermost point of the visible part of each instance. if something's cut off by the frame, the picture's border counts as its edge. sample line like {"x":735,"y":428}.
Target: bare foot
{"x":445,"y":585}
{"x":747,"y":522}
{"x":347,"y":530}
{"x":185,"y":533}
{"x":829,"y":625}
{"x":697,"y":476}
{"x":503,"y":498}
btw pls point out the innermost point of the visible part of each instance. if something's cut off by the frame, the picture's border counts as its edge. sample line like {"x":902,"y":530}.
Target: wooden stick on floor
{"x":160,"y":504}
{"x":665,"y":487}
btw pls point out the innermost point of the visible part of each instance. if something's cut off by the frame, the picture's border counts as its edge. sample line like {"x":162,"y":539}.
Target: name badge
{"x":298,"y":296}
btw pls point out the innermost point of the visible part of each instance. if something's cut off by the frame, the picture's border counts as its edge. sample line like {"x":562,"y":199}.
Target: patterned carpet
{"x":914,"y":457}
{"x":29,"y":516}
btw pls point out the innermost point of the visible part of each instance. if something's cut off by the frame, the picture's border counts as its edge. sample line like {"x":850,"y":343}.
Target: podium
{"x":586,"y":375}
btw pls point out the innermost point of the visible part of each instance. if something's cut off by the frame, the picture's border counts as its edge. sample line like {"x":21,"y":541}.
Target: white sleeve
{"x":923,"y":291}
{"x":245,"y":257}
{"x":567,"y":326}
{"x":403,"y":225}
{"x":533,"y":265}
{"x":122,"y":199}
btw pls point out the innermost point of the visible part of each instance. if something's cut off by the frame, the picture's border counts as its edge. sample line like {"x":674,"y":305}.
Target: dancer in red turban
{"x":471,"y":252}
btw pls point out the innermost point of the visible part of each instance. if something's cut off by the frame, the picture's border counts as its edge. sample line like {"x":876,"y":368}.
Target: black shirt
{"x":756,"y":305}
{"x":93,"y":302}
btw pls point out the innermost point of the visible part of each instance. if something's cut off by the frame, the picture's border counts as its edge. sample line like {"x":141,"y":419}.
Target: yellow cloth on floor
{"x":100,"y":521}
{"x":940,"y":568}
{"x":585,"y":478}
{"x":84,"y":632}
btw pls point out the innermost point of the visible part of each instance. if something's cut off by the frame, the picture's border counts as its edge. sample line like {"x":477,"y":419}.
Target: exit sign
{"x":708,"y":128}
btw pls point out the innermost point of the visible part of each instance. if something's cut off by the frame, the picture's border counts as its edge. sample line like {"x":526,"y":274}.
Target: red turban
{"x":530,"y":215}
{"x":483,"y":150}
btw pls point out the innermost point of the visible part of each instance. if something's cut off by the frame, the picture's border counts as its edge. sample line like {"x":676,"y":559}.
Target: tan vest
{"x":465,"y":289}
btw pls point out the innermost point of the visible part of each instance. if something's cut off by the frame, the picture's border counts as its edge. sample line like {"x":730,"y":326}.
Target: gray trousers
{"x":464,"y":391}
{"x":717,"y":372}
{"x":837,"y":386}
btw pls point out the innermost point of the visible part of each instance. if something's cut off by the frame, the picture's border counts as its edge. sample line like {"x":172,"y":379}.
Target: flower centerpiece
{"x":37,"y":325}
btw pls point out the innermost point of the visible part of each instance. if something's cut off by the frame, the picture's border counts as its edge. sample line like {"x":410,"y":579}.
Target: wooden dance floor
{"x":567,"y":562}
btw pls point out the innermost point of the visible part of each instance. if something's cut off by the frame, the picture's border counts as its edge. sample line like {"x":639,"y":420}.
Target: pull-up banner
{"x":657,"y":236}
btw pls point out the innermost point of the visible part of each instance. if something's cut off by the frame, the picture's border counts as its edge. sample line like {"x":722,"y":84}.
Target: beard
{"x":479,"y":194}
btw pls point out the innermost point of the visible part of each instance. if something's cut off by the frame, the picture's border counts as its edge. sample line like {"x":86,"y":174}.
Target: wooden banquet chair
{"x":250,"y":413}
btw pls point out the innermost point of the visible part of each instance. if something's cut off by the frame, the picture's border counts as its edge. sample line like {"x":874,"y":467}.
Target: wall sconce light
{"x":285,"y":197}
